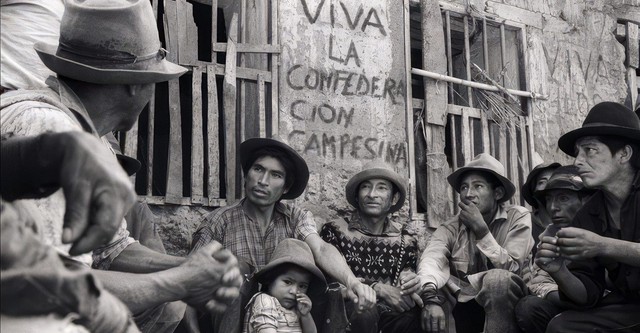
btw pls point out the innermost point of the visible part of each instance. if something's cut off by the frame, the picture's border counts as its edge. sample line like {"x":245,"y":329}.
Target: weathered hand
{"x":471,"y":217}
{"x":303,"y":304}
{"x":393,"y":297}
{"x":213,"y":279}
{"x":433,"y":319}
{"x":361,"y":294}
{"x":97,"y":191}
{"x":548,"y":257}
{"x":579,"y":244}
{"x":409,"y":282}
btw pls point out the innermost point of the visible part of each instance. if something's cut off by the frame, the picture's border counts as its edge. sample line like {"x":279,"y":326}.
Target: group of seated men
{"x":571,"y":266}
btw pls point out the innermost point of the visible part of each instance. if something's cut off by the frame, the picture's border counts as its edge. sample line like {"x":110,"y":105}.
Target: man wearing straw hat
{"x":107,"y":61}
{"x":470,"y":270}
{"x":379,"y":250}
{"x":603,"y":278}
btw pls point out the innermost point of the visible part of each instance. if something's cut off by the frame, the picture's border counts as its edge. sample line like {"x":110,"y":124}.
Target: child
{"x":283,"y":304}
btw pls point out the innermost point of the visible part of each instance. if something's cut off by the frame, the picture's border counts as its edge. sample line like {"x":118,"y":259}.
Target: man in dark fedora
{"x":107,"y":61}
{"x":470,"y":270}
{"x":603,"y":279}
{"x":252,"y":228}
{"x":380,"y":250}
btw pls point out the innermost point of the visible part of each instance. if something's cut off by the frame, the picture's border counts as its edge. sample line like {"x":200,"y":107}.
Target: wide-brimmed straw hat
{"x":604,"y":119}
{"x":528,"y":188}
{"x":563,"y":178}
{"x":109,"y":42}
{"x":297,"y":252}
{"x":301,"y":171}
{"x":371,"y":170}
{"x":486,"y":163}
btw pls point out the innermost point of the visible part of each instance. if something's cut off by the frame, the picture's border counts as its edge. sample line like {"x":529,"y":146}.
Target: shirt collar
{"x":73,"y":103}
{"x":390,"y":228}
{"x":279,"y":208}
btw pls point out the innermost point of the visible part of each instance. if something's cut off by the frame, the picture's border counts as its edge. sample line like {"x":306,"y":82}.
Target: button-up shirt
{"x":454,"y":252}
{"x":244,"y":237}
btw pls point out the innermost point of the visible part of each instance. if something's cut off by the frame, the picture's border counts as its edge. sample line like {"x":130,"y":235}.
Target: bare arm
{"x":307,"y":324}
{"x":548,"y":258}
{"x":580,"y":244}
{"x":331,"y":261}
{"x":136,"y":258}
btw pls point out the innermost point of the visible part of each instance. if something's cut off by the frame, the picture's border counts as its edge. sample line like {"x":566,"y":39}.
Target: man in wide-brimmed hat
{"x":380,"y":249}
{"x":562,"y":196}
{"x":107,"y":62}
{"x":470,"y":270}
{"x":604,"y":240}
{"x":252,"y":228}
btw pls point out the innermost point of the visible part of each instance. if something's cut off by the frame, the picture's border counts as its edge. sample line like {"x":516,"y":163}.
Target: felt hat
{"x":301,"y":170}
{"x":371,"y":170}
{"x":528,"y":188}
{"x":563,"y":178}
{"x":297,"y":252}
{"x":604,"y":119}
{"x":486,"y":163}
{"x":109,"y":42}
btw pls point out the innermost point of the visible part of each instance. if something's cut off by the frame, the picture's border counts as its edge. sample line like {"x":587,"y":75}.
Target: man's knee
{"x":500,"y":286}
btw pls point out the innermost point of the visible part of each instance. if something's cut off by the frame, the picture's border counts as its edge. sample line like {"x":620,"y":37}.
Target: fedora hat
{"x":301,"y":171}
{"x":297,"y":252}
{"x":486,"y":163}
{"x":563,"y":178}
{"x":109,"y":42}
{"x":604,"y":119}
{"x":376,"y":169}
{"x":528,"y":188}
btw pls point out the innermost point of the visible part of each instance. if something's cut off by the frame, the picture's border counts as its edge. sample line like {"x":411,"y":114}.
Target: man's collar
{"x":389,"y":228}
{"x":501,"y":214}
{"x":279,"y":207}
{"x":73,"y":102}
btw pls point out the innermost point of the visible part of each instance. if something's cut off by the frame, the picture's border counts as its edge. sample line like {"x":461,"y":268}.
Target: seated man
{"x":252,"y":228}
{"x":603,"y":244}
{"x":536,"y":180}
{"x":98,"y":90}
{"x":379,"y":250}
{"x":562,"y":196}
{"x":470,"y":268}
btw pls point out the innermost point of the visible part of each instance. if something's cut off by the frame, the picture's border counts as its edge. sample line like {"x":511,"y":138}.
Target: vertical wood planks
{"x":213,"y":179}
{"x":229,"y":104}
{"x":524,"y":152}
{"x":197,"y":139}
{"x":275,"y":119}
{"x":512,"y":173}
{"x":188,"y":34}
{"x":466,"y":136}
{"x":449,"y":55}
{"x":486,"y":143}
{"x":467,"y":58}
{"x":174,"y":163}
{"x":262,"y":116}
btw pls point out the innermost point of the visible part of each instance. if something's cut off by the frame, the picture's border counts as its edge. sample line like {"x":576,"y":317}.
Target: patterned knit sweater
{"x":378,"y":258}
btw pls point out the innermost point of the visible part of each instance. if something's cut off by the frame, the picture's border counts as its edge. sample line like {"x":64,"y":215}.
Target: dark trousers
{"x":380,"y":319}
{"x":618,"y":318}
{"x":534,"y":313}
{"x":469,"y":317}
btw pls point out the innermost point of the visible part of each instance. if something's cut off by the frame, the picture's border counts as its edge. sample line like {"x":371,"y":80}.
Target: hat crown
{"x":486,"y":161}
{"x":565,"y":177}
{"x":610,"y":113}
{"x":97,"y":32}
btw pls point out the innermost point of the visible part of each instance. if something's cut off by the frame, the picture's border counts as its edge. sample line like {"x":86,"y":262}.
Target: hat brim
{"x":301,"y":176}
{"x":567,"y":142}
{"x":509,"y":188}
{"x":527,"y":191}
{"x":159,"y":72}
{"x":129,"y":164}
{"x":315,"y":288}
{"x":353,"y":184}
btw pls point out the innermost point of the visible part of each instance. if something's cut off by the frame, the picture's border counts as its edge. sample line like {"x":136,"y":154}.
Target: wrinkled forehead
{"x":588,"y":140}
{"x":270,"y":162}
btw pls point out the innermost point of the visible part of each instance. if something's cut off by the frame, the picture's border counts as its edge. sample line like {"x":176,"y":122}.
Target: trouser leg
{"x":499,"y":292}
{"x":469,"y":317}
{"x":618,"y":318}
{"x":362,"y":322}
{"x":408,"y":321}
{"x":534,"y":313}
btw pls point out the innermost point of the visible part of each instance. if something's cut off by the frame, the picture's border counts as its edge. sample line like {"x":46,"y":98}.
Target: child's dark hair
{"x":273,"y":274}
{"x":283,"y":157}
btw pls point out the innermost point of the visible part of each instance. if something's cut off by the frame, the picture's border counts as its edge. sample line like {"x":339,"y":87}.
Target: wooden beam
{"x":197,"y":139}
{"x":183,"y":201}
{"x":515,"y":14}
{"x":174,"y":162}
{"x":229,"y":104}
{"x":275,"y":60}
{"x":213,"y":144}
{"x":249,"y":48}
{"x":262,"y":116}
{"x":631,"y":45}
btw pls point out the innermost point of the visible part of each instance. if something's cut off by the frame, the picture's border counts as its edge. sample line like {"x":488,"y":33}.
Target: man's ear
{"x":626,"y":153}
{"x":133,"y":89}
{"x":396,"y":197}
{"x":498,"y":193}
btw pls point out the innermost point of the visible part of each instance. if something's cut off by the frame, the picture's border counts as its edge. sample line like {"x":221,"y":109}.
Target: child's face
{"x":288,"y":284}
